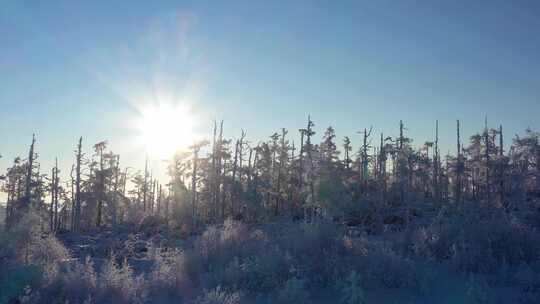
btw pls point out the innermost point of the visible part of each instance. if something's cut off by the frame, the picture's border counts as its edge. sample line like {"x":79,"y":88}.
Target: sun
{"x":165,"y":129}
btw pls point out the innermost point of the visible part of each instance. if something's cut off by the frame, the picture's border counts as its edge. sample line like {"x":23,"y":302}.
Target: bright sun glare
{"x":164,"y":129}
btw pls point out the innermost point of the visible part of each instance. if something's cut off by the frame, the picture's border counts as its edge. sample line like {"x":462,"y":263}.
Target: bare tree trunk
{"x":458,"y":166}
{"x":115,"y":192}
{"x":436,"y":165}
{"x":223,"y":193}
{"x":213,"y":175}
{"x":400,"y":165}
{"x":234,"y":169}
{"x":159,"y":201}
{"x":194,"y":183}
{"x":501,"y":166}
{"x":347,"y":148}
{"x":57,"y":216}
{"x":301,"y":202}
{"x":382,"y":169}
{"x":55,"y":193}
{"x":153,"y":183}
{"x":145,"y":185}
{"x":486,"y":139}
{"x":101,"y":189}
{"x":310,"y":133}
{"x":282,"y":157}
{"x":167,"y":203}
{"x":51,"y":209}
{"x":78,"y":186}
{"x":72,"y":211}
{"x":77,"y":219}
{"x":29,"y":172}
{"x":365,"y":174}
{"x":250,"y":168}
{"x":9,"y":202}
{"x":220,"y":173}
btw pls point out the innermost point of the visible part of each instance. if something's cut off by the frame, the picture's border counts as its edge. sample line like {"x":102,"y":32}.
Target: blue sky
{"x":69,"y":68}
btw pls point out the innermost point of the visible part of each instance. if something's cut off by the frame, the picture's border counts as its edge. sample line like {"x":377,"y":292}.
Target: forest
{"x":238,"y":221}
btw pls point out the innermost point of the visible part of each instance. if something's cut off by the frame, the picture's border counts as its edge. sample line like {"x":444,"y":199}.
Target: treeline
{"x":235,"y":178}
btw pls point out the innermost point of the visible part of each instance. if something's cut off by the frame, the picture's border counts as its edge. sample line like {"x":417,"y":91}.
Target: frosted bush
{"x":383,"y":266}
{"x":83,"y":275}
{"x":168,"y":268}
{"x":265,"y":271}
{"x":218,"y":296}
{"x":478,"y":291}
{"x":293,"y":291}
{"x":48,"y":253}
{"x":233,"y":231}
{"x":118,"y":283}
{"x":174,"y":274}
{"x":350,"y":290}
{"x":208,"y":242}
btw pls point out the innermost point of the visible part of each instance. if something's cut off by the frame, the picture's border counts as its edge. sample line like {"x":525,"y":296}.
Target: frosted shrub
{"x":74,"y":285}
{"x":168,"y":268}
{"x":82,"y":274}
{"x":265,"y":271}
{"x":150,"y":225}
{"x":234,"y":231}
{"x":118,"y":284}
{"x":218,"y":246}
{"x":48,"y":253}
{"x":481,"y":246}
{"x":384,"y":266}
{"x":171,"y":275}
{"x":218,"y":296}
{"x":208,"y":242}
{"x":350,"y":290}
{"x":528,"y":278}
{"x":316,"y":248}
{"x":478,"y":291}
{"x":233,"y":274}
{"x":416,"y":242}
{"x":293,"y":291}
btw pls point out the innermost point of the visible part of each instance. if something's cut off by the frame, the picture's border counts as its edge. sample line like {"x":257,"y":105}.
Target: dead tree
{"x":159,"y":200}
{"x":311,"y":177}
{"x":400,"y":164}
{"x":347,"y":149}
{"x":101,"y":182}
{"x":237,"y":159}
{"x":436,"y":165}
{"x":114,"y":209}
{"x":250,"y":167}
{"x":56,"y":182}
{"x":301,"y":160}
{"x":220,"y":172}
{"x":488,"y":161}
{"x":194,"y":181}
{"x":458,"y":166}
{"x":52,"y":207}
{"x":145,"y":185}
{"x":153,"y":201}
{"x":72,"y":183}
{"x":29,"y":173}
{"x":382,"y":168}
{"x":501,"y":167}
{"x":283,"y":154}
{"x":364,"y":174}
{"x":77,"y":217}
{"x":213,"y":176}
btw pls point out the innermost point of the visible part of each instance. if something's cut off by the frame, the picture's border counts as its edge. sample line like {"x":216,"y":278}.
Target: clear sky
{"x":72,"y":68}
